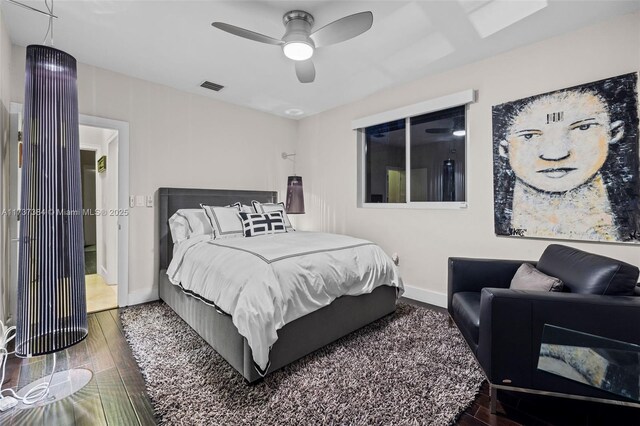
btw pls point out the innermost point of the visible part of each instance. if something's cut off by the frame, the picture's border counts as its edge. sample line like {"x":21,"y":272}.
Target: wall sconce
{"x":295,"y":194}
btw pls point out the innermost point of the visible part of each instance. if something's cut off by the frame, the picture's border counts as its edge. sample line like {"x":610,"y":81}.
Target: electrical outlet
{"x":149,"y":201}
{"x":132,"y":201}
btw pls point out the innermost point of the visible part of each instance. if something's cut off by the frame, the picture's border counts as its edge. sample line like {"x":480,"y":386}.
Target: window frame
{"x":463,"y":98}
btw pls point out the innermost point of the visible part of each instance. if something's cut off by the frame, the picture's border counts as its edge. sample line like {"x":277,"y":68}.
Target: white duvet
{"x":268,"y":281}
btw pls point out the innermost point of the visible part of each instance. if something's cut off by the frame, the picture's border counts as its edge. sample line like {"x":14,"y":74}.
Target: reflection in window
{"x":436,"y":144}
{"x":437,"y":156}
{"x":385,"y":148}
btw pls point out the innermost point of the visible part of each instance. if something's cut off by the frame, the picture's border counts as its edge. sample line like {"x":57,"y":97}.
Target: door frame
{"x":123,"y":192}
{"x":11,"y":297}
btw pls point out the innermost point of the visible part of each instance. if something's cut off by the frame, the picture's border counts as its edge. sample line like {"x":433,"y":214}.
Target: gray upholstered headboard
{"x":170,"y":200}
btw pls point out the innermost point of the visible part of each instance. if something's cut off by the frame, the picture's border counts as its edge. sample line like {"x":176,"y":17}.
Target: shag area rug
{"x":409,"y":368}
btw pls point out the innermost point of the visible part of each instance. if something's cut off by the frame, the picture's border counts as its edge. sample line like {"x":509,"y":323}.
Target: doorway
{"x":88,"y":185}
{"x":396,"y":185}
{"x":99,"y":182}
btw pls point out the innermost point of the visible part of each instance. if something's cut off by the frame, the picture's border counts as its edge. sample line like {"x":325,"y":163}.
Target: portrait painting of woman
{"x":566,"y":163}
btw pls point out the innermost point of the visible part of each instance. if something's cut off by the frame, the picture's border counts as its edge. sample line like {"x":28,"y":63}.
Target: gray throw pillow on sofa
{"x":529,"y":278}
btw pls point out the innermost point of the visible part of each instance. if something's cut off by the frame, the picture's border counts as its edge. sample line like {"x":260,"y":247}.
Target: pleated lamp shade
{"x":295,"y":195}
{"x":52,"y":312}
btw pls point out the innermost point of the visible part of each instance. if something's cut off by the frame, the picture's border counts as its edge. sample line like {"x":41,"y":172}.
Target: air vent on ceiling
{"x":212,"y":86}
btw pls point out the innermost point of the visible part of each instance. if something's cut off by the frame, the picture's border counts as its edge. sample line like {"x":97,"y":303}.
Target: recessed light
{"x":459,"y":133}
{"x":294,"y":111}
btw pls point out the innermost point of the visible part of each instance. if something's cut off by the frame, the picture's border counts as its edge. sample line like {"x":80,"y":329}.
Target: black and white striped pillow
{"x":273,"y":207}
{"x":262,"y":223}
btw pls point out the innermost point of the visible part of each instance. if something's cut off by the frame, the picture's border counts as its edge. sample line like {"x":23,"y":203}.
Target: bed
{"x":296,"y":338}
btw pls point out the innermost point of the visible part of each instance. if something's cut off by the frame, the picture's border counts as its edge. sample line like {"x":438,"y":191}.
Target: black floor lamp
{"x":52,"y":312}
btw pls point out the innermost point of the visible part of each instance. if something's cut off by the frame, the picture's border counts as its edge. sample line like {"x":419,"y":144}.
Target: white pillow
{"x":243,"y":208}
{"x":224,"y":221}
{"x":273,"y":207}
{"x":186,"y":223}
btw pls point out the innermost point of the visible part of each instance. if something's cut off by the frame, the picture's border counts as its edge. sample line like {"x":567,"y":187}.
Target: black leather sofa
{"x":504,"y":327}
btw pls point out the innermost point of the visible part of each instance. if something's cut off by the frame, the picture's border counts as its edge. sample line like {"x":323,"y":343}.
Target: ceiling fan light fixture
{"x":299,"y":42}
{"x":298,"y":50}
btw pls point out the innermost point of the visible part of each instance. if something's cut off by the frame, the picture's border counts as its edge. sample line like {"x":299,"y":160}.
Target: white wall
{"x":424,"y":239}
{"x":5,"y":100}
{"x":178,"y":139}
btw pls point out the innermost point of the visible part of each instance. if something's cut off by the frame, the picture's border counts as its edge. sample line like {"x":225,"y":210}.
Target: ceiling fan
{"x":298,"y":42}
{"x":455,"y":127}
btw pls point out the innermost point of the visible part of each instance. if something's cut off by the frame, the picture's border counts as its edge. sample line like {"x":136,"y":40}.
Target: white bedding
{"x":268,"y":281}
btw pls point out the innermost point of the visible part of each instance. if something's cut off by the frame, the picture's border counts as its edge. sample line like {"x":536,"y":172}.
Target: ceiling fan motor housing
{"x":298,"y":25}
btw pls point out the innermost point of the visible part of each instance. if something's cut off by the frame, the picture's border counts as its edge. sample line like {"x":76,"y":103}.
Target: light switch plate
{"x":139,"y":200}
{"x":149,"y":201}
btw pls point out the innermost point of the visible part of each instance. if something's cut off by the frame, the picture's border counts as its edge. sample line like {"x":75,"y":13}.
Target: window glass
{"x":438,"y":156}
{"x":385,"y":163}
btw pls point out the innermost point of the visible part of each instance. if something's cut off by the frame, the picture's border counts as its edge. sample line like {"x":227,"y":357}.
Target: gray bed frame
{"x":296,"y":339}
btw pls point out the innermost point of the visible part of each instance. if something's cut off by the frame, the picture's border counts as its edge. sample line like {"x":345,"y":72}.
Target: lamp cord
{"x":50,"y":26}
{"x":38,"y":392}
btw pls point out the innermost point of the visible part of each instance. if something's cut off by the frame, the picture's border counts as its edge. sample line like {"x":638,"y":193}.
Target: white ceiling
{"x":173,"y":42}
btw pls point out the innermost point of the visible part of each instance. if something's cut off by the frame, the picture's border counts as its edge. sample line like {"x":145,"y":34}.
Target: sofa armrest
{"x":512,"y":323}
{"x":467,"y":274}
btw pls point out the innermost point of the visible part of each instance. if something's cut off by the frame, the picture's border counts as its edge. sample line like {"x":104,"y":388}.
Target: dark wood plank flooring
{"x":116,"y":394}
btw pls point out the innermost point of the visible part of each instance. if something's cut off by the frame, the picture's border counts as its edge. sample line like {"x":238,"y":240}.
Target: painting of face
{"x":566,"y":163}
{"x":559,"y":155}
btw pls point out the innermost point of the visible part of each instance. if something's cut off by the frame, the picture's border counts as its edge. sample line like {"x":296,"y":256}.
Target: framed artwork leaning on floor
{"x":565,"y":163}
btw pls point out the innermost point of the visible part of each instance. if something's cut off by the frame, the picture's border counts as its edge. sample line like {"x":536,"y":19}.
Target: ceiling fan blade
{"x":241,"y":32}
{"x":305,"y":71}
{"x":342,"y":29}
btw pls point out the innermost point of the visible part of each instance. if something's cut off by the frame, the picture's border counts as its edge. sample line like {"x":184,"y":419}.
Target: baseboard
{"x":138,"y":297}
{"x":425,"y":296}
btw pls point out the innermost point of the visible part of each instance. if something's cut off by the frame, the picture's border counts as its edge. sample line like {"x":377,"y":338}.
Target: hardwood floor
{"x":116,"y":394}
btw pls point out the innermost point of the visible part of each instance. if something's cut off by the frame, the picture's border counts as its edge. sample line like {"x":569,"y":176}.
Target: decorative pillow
{"x":529,"y":278}
{"x":243,"y":208}
{"x":186,"y":223}
{"x":224,"y":221}
{"x":262,"y":223}
{"x":273,"y":207}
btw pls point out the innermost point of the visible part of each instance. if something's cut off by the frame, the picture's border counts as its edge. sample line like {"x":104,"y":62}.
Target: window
{"x":385,"y":156}
{"x":418,"y":160}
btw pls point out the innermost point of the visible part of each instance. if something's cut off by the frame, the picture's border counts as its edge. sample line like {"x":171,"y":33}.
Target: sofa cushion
{"x":527,"y":277}
{"x":466,"y":312}
{"x":588,"y":273}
